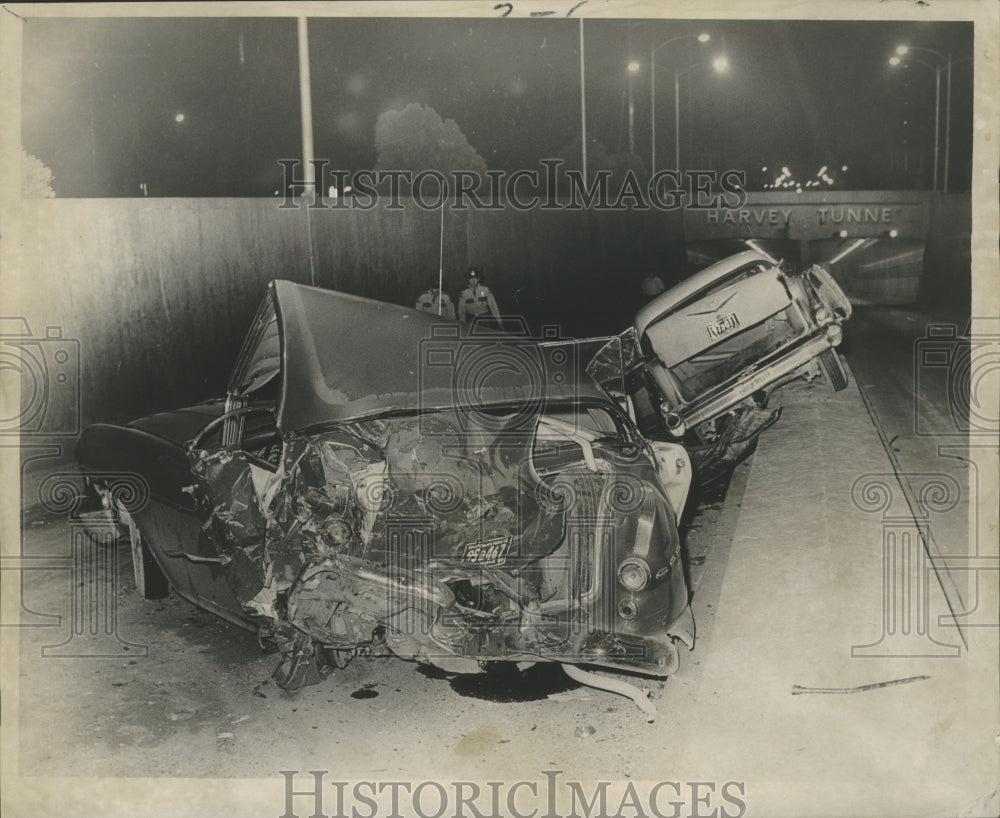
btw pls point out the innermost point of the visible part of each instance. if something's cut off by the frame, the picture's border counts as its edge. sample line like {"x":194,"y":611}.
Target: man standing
{"x":435,"y":301}
{"x":476,"y":299}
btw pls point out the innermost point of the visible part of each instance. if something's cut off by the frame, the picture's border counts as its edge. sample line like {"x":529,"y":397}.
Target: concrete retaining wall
{"x":948,"y":255}
{"x":159,"y":292}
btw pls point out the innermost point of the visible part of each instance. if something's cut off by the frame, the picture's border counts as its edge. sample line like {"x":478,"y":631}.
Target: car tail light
{"x":633,"y":574}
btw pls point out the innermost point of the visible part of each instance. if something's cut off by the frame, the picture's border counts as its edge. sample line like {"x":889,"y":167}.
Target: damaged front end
{"x":547,"y":539}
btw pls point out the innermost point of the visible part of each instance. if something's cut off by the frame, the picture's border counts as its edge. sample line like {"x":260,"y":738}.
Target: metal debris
{"x":623,"y":688}
{"x":798,"y":689}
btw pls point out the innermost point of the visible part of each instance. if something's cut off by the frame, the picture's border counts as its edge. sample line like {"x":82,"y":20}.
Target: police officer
{"x":476,"y":299}
{"x":435,"y":301}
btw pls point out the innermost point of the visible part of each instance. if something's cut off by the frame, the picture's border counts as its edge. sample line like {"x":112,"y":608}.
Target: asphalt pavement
{"x":840,"y":683}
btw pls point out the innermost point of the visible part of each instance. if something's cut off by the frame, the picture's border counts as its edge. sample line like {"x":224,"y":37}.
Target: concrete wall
{"x":947,"y":275}
{"x":159,"y":292}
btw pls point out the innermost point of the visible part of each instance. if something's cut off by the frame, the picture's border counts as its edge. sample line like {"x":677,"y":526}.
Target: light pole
{"x":701,"y":38}
{"x":946,"y":64}
{"x":583,"y":106}
{"x":720,"y":65}
{"x":902,"y":56}
{"x":633,"y":69}
{"x":305,"y":107}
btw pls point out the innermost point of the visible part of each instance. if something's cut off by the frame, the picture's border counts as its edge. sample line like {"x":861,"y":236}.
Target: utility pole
{"x":583,"y":105}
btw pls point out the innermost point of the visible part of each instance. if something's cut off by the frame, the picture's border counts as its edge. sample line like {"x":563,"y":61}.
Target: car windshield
{"x":612,"y":361}
{"x":259,"y":360}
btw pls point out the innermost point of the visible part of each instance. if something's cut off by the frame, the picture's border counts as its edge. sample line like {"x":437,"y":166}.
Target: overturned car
{"x":450,"y":498}
{"x":700,"y":361}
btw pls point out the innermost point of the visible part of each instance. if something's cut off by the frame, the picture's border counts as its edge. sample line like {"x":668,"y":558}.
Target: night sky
{"x":102,"y":98}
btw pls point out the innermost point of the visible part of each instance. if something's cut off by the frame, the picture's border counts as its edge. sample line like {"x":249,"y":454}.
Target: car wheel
{"x":829,"y":360}
{"x":151,"y":582}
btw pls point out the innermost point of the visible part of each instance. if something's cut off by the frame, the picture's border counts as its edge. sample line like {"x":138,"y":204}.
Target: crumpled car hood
{"x":346,"y":358}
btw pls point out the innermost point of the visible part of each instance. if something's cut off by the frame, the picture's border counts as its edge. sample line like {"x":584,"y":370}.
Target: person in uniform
{"x":435,"y":301}
{"x":476,"y":299}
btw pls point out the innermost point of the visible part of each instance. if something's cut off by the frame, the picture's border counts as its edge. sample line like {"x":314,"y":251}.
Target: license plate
{"x":727,"y":323}
{"x":487,"y":552}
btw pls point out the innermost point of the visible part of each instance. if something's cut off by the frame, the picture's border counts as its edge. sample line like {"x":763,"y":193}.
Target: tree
{"x":416,"y":138}
{"x":36,"y":178}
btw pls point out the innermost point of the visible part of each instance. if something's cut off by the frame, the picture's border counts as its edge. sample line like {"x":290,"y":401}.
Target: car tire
{"x":150,"y":580}
{"x":829,"y":361}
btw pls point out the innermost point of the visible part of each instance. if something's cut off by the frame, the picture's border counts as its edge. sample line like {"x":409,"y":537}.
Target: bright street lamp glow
{"x":634,"y":67}
{"x":844,"y":168}
{"x":720,"y":64}
{"x":893,"y":233}
{"x":704,"y":38}
{"x":179,"y":118}
{"x":902,"y":49}
{"x":786,"y":171}
{"x":894,"y":61}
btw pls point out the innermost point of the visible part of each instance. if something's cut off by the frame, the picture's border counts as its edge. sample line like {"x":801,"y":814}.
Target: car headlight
{"x":823,"y":315}
{"x":633,"y":574}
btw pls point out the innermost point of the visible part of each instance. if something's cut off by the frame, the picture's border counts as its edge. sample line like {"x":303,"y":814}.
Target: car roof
{"x":346,"y":358}
{"x":690,"y":286}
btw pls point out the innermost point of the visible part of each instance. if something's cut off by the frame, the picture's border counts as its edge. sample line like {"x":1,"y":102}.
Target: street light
{"x":701,"y":38}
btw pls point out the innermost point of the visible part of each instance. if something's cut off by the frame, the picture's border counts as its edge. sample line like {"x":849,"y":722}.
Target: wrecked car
{"x":453,"y":497}
{"x":700,"y":361}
